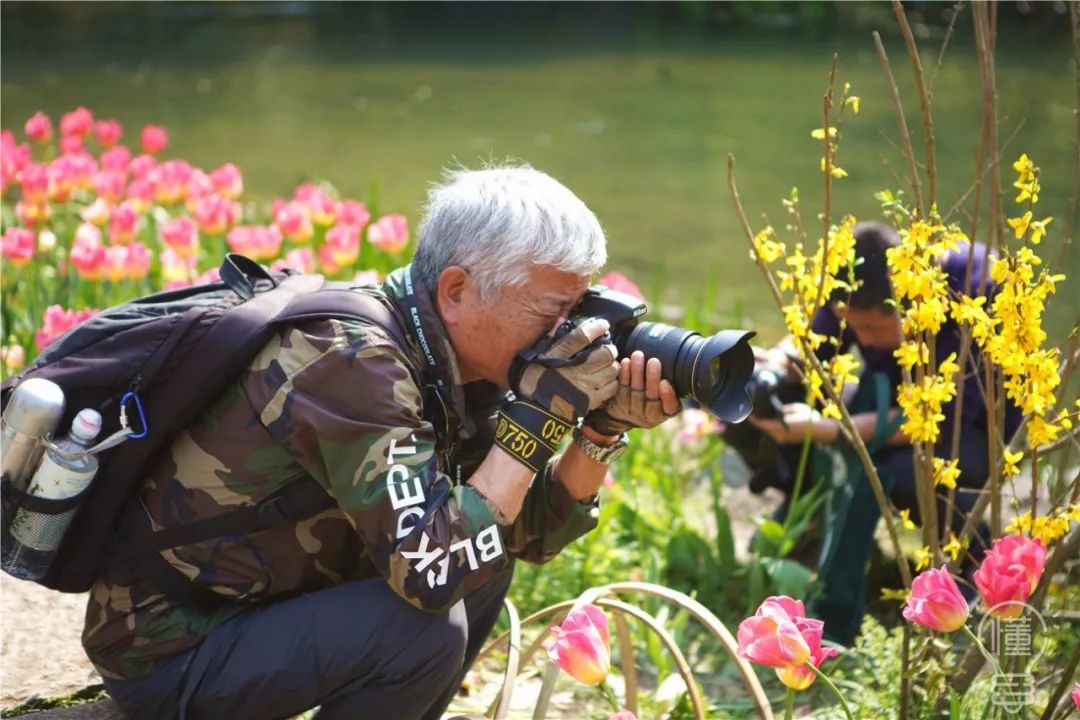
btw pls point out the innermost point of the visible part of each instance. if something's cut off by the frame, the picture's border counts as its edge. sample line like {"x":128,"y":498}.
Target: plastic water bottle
{"x":32,"y":414}
{"x":65,"y":471}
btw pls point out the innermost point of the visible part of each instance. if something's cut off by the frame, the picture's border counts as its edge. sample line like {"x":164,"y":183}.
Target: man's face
{"x":488,"y":334}
{"x":874,"y":328}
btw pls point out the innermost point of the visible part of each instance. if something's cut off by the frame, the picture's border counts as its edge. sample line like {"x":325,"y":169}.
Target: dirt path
{"x":40,"y":651}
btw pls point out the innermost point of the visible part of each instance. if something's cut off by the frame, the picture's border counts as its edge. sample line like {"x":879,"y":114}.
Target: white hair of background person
{"x":499,"y":222}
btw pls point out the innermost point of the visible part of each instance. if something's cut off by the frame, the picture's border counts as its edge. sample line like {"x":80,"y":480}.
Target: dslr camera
{"x":712,"y":371}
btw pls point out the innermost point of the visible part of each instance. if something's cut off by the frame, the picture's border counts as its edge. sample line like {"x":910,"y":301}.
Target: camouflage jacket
{"x":341,"y":404}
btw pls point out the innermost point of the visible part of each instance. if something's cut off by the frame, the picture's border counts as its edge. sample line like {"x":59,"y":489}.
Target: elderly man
{"x":377,"y":605}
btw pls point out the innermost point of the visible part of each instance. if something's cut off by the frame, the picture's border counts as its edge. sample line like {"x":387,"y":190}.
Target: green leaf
{"x":787,"y":576}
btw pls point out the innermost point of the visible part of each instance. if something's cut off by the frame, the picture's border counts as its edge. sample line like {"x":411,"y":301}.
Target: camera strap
{"x":529,"y":433}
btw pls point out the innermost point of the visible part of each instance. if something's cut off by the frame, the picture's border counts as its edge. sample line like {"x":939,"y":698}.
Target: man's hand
{"x":571,"y":391}
{"x":642,"y":400}
{"x":793,"y":426}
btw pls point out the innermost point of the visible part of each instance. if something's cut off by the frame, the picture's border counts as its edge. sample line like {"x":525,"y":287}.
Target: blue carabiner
{"x":142,"y":415}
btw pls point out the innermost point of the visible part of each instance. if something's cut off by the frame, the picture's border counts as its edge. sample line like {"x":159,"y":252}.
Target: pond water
{"x":638,"y":124}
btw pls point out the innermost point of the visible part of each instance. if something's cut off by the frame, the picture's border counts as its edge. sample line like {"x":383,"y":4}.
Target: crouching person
{"x":434,"y":479}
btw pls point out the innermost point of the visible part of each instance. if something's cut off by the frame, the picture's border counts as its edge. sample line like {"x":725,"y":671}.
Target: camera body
{"x":713,"y":371}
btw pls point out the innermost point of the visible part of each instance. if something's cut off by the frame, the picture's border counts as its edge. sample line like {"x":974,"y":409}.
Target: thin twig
{"x":924,"y":100}
{"x":905,"y":136}
{"x":948,"y":34}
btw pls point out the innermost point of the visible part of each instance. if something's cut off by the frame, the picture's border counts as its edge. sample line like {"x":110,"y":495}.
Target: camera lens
{"x":713,"y":371}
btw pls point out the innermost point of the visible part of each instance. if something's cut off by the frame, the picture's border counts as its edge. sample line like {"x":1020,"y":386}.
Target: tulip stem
{"x":610,"y":695}
{"x":789,"y":705}
{"x":982,"y":648}
{"x":827,"y":681}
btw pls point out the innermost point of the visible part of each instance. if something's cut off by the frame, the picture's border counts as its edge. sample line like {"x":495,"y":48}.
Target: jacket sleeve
{"x":550,"y":519}
{"x":341,"y":398}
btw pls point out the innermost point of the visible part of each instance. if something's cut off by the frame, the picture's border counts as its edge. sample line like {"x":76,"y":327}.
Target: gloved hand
{"x":643,"y":399}
{"x":555,"y":383}
{"x":570,"y":376}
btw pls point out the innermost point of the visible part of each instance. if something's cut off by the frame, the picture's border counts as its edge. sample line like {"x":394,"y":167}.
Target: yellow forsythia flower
{"x":1012,"y":461}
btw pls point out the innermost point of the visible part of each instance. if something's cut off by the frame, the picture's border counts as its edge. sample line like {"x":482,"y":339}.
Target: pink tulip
{"x":39,"y":128}
{"x":57,"y":321}
{"x":215,"y":214}
{"x":170,"y":180}
{"x":116,"y":158}
{"x":154,"y":139}
{"x":110,"y":184}
{"x":1009,"y":573}
{"x":68,"y":172}
{"x":1076,"y":695}
{"x":13,"y":158}
{"x":97,"y":213}
{"x":212,"y":275}
{"x":78,"y":122}
{"x":71,"y":144}
{"x":581,"y":645}
{"x":140,"y":194}
{"x":617,"y":281}
{"x":127,"y":262}
{"x":341,"y":249}
{"x":935,"y":602}
{"x":88,"y":253}
{"x":294,"y":221}
{"x":322,"y":207}
{"x":34,"y":179}
{"x":199,"y":185}
{"x":182,"y":235}
{"x":623,"y":715}
{"x":353,"y":213}
{"x":800,"y":677}
{"x":257,"y":242}
{"x":123,"y":224}
{"x":299,"y":259}
{"x":108,"y":132}
{"x":228,"y":181}
{"x":141,"y":166}
{"x":176,"y":271}
{"x":18,"y":245}
{"x":33,"y":214}
{"x":390,"y":233}
{"x":772,"y":637}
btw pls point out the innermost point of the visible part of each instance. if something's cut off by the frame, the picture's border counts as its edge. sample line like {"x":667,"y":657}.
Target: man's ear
{"x":451,"y":292}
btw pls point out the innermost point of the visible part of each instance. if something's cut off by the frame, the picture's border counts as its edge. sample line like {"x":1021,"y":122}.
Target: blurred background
{"x":633,"y":105}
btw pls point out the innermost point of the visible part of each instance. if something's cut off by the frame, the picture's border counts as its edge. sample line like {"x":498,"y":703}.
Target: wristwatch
{"x":603,"y":454}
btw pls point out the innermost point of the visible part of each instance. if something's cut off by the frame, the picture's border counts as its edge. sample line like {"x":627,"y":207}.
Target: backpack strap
{"x":241,"y":274}
{"x":341,"y":300}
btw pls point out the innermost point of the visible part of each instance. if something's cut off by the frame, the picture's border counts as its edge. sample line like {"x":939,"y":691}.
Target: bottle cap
{"x":87,"y":425}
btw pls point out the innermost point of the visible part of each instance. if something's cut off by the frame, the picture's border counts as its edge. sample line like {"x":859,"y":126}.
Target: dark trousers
{"x":843,"y":599}
{"x":356,"y":651}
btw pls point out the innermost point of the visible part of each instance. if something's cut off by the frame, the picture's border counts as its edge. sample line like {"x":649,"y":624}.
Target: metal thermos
{"x":30,"y":418}
{"x":65,"y":471}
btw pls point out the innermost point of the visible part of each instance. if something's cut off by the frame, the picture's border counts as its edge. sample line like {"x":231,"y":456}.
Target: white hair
{"x":500,"y":222}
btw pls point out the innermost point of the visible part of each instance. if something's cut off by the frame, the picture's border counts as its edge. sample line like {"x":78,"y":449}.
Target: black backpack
{"x":176,"y":352}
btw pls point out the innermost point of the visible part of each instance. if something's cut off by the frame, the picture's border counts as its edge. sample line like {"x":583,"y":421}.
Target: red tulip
{"x":390,"y":233}
{"x":108,"y":132}
{"x":1009,"y":573}
{"x":154,"y":139}
{"x":39,"y":128}
{"x":18,"y":245}
{"x":935,"y":602}
{"x":581,"y":645}
{"x":772,"y":637}
{"x":77,"y":123}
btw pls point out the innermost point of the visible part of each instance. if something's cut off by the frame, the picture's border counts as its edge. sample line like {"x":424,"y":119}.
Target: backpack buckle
{"x":273,"y":511}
